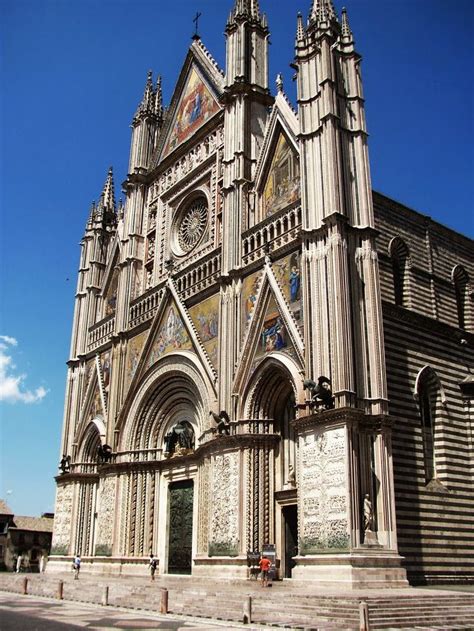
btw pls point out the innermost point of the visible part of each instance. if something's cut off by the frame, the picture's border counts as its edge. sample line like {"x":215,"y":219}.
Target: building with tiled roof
{"x":25,"y":537}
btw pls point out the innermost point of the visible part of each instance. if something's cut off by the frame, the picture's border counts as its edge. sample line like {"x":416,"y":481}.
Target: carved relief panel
{"x":224,"y":535}
{"x":106,"y":517}
{"x":62,"y":519}
{"x":323,"y":491}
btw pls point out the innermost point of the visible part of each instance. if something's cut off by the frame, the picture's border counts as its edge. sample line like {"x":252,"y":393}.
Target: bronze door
{"x":181,"y":527}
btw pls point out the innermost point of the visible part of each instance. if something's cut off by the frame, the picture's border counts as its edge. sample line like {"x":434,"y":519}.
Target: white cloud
{"x":12,"y":384}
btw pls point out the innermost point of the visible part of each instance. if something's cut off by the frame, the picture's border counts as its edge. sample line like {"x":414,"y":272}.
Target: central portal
{"x":181,"y":527}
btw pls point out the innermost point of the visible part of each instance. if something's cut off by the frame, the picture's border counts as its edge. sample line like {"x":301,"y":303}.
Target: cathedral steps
{"x":282,"y":605}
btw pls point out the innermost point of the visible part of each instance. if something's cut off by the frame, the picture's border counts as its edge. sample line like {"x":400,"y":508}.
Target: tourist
{"x":42,"y":564}
{"x":264,"y":564}
{"x":76,"y":566}
{"x":152,"y":565}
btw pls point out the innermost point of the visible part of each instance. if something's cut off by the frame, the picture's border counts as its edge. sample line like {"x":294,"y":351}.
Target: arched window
{"x":400,"y":255}
{"x":430,"y":395}
{"x":461,"y":284}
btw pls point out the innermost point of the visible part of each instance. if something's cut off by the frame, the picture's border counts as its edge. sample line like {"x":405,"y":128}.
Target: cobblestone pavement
{"x":28,"y":613}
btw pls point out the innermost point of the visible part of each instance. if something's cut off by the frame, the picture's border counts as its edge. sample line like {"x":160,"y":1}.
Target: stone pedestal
{"x":351,"y":571}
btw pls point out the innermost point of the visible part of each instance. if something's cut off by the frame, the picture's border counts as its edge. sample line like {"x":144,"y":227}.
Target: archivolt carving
{"x":275,"y":361}
{"x":175,"y":381}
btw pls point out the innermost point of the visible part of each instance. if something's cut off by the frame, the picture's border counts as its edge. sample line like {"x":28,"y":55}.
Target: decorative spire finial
{"x":299,"y":27}
{"x":158,"y":98}
{"x":322,"y":14}
{"x":279,"y":82}
{"x":347,"y":36}
{"x":108,"y":194}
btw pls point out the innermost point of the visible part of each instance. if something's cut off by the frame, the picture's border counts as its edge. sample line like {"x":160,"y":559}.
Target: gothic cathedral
{"x":266,"y":354}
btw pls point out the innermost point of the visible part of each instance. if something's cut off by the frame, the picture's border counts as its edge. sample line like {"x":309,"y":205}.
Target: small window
{"x":429,"y":395}
{"x":461,"y":287}
{"x":400,"y":255}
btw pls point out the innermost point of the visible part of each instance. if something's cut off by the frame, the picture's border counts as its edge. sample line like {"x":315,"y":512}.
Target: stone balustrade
{"x":270,"y":235}
{"x":144,"y":307}
{"x":194,"y":280}
{"x":100,"y":333}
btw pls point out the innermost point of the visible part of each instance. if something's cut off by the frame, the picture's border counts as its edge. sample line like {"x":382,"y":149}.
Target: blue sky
{"x":72,"y":74}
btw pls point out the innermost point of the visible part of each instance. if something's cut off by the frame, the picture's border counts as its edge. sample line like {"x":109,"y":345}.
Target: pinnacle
{"x":346,"y":32}
{"x":108,"y":195}
{"x":279,"y":82}
{"x":158,"y":109}
{"x":249,"y":8}
{"x":299,"y":28}
{"x":322,"y":14}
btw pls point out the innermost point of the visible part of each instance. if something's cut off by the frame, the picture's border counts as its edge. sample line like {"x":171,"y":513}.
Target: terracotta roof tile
{"x":4,"y":509}
{"x":39,"y":524}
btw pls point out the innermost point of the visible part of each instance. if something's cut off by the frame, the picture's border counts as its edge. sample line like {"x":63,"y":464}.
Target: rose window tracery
{"x":193,"y":224}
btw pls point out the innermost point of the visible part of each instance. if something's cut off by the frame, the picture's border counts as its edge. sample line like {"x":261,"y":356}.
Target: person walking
{"x":77,"y":566}
{"x":18,"y":563}
{"x":152,"y":563}
{"x":42,"y":564}
{"x":265,"y":565}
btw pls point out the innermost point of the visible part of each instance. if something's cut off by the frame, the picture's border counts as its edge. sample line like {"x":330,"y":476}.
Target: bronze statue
{"x":180,"y":440}
{"x":65,"y":464}
{"x":321,"y":392}
{"x":104,"y":453}
{"x":222,"y":421}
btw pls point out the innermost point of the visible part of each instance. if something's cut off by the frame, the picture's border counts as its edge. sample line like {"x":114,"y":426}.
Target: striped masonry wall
{"x":435,"y":518}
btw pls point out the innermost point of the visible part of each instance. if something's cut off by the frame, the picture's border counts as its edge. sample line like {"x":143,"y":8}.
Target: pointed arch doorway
{"x":274,"y":399}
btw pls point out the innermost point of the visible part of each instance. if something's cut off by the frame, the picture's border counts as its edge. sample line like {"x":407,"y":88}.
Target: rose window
{"x":192,"y":225}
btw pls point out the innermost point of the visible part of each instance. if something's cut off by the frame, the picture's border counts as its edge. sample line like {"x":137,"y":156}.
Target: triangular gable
{"x":172,"y":330}
{"x":281,"y":187}
{"x":205,"y":317}
{"x":272,"y":329}
{"x":281,"y":120}
{"x":111,"y":278}
{"x":195,"y":99}
{"x":94,"y":404}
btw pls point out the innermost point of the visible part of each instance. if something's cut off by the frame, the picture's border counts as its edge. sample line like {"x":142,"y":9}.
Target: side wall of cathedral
{"x":429,"y":347}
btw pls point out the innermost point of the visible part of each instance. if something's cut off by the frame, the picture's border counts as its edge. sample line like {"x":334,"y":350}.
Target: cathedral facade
{"x":267,"y":355}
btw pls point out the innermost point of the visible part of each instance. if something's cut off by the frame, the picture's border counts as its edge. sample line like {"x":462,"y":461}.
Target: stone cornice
{"x":215,"y":446}
{"x":342,"y":416}
{"x":424,"y":322}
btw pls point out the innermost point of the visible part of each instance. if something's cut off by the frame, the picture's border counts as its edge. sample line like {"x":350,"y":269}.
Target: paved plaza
{"x":18,"y":613}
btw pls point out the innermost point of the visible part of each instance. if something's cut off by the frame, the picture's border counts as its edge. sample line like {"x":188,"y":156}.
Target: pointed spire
{"x":104,"y":212}
{"x":148,"y":94}
{"x":108,"y":194}
{"x":299,"y":28}
{"x":322,"y":14}
{"x":158,"y":109}
{"x":250,"y":8}
{"x":255,"y":9}
{"x":346,"y":33}
{"x":147,"y":103}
